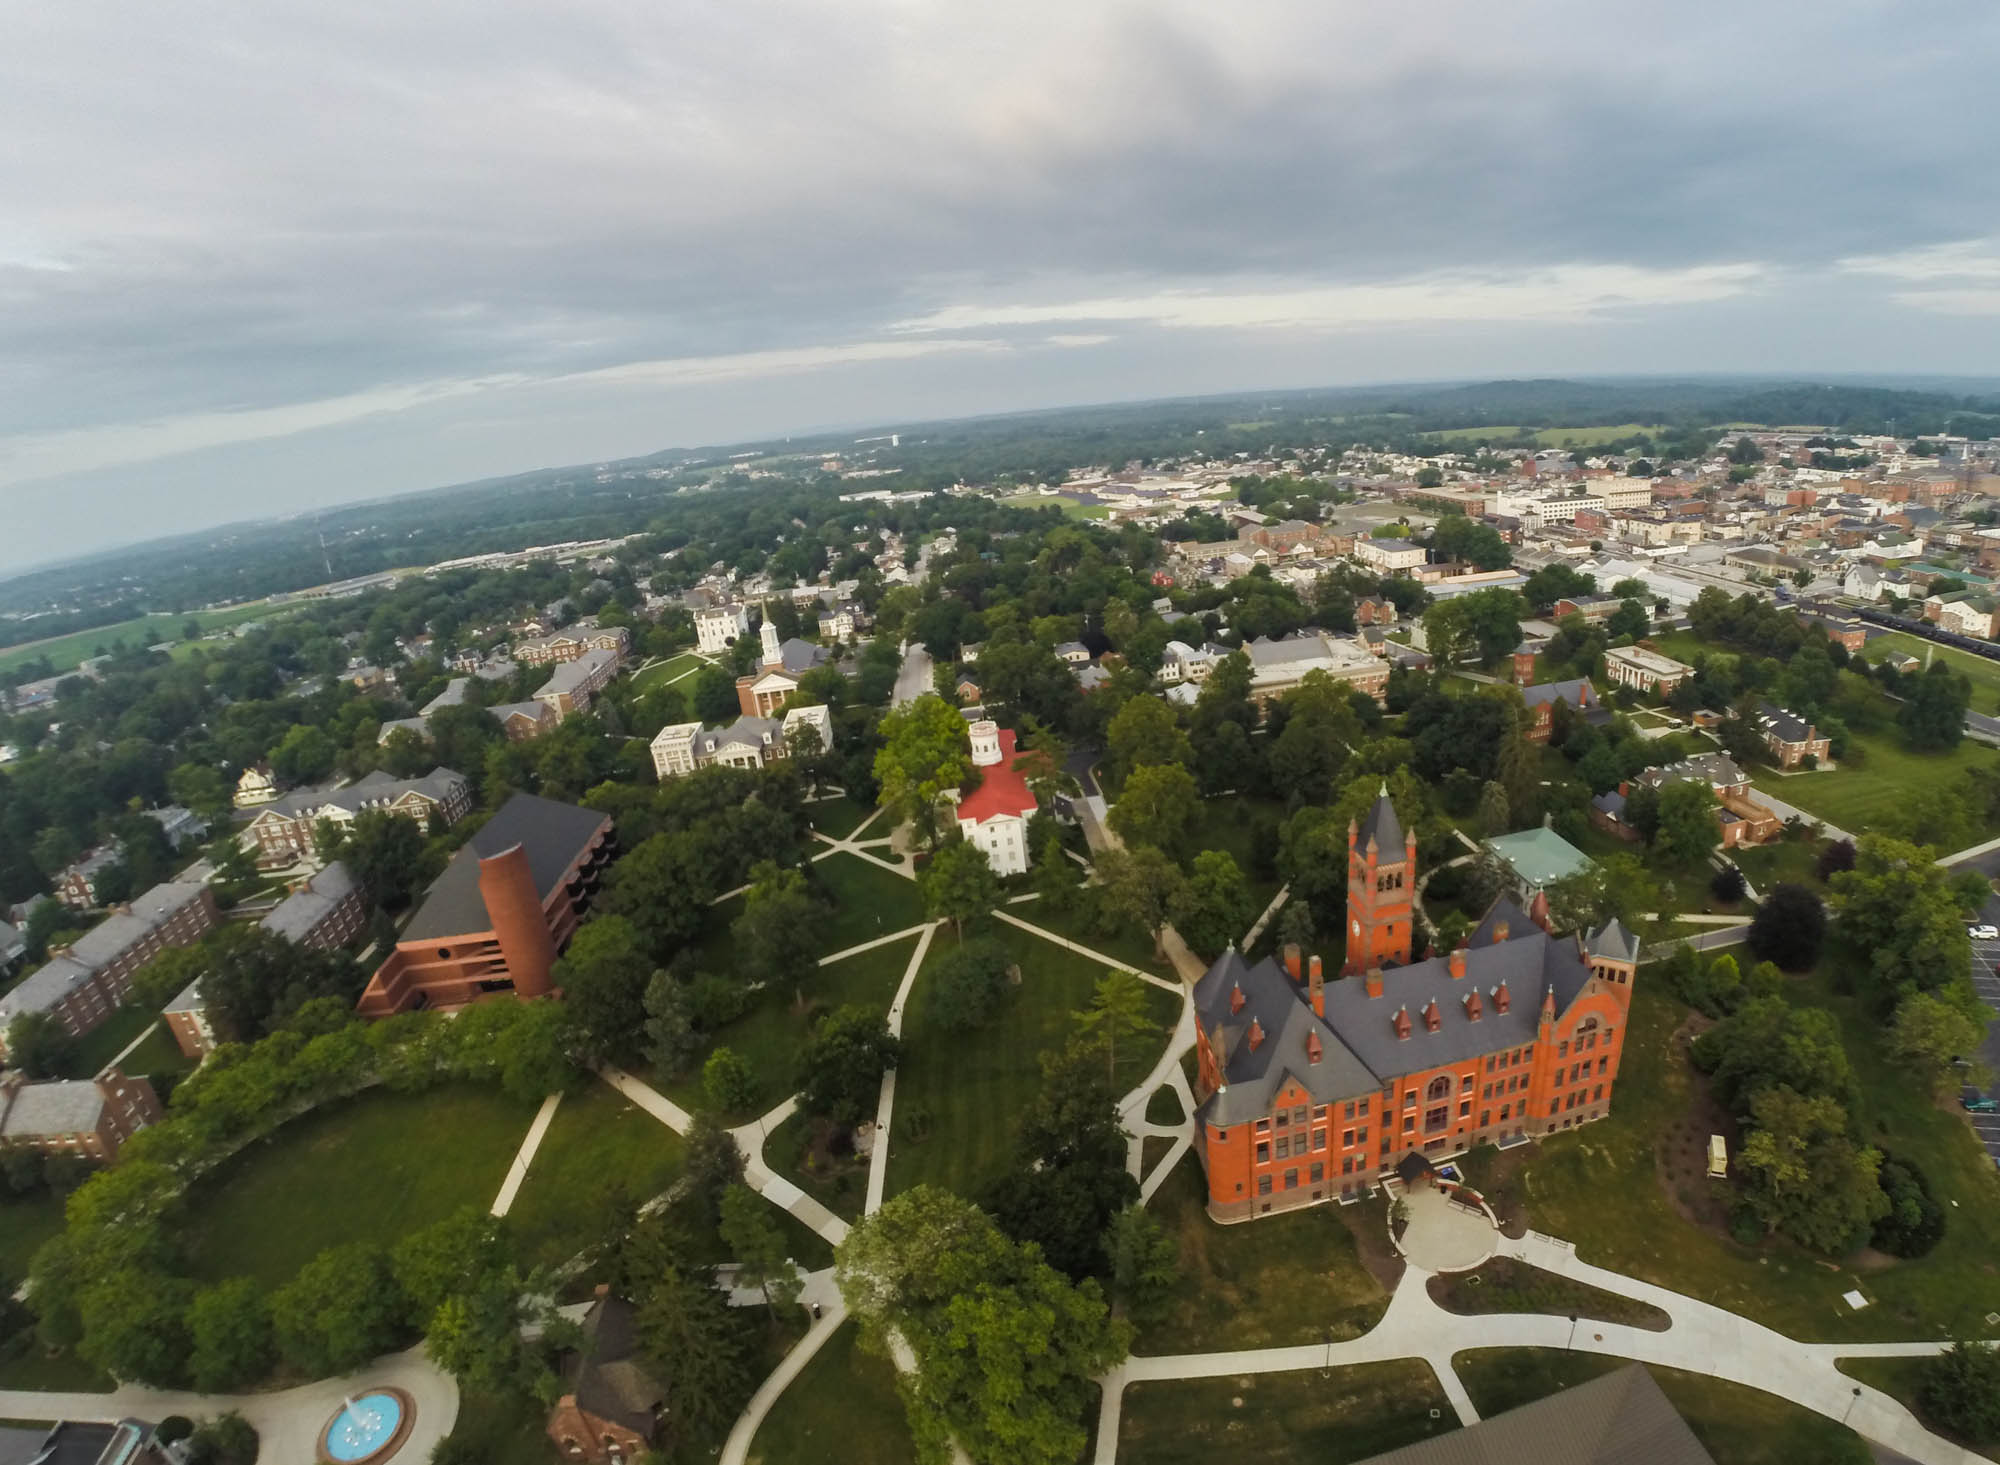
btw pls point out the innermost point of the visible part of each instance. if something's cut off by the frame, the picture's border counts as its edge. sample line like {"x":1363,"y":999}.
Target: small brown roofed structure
{"x":612,"y":1402}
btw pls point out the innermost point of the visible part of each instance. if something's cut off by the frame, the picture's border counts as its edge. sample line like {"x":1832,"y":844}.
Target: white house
{"x":1391,"y":556}
{"x":717,"y":626}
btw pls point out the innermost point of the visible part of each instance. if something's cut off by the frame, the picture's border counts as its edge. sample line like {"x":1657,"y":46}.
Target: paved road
{"x":1986,"y":982}
{"x":915,"y":677}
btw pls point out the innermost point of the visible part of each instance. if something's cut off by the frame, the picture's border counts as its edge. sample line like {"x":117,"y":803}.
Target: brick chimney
{"x":1317,"y":988}
{"x":1374,"y":980}
{"x":1432,"y":1019}
{"x":1500,"y":998}
{"x":1402,"y":1024}
{"x":1457,"y":964}
{"x":514,"y":906}
{"x":1292,"y":960}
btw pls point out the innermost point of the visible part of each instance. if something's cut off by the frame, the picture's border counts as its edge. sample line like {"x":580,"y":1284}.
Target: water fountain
{"x":367,"y":1428}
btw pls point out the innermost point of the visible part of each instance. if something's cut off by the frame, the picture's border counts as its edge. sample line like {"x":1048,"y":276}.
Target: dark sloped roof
{"x":1381,"y":825}
{"x":607,"y":1376}
{"x":1619,"y":1419}
{"x":551,"y":832}
{"x":1573,"y":691}
{"x":1271,"y":1001}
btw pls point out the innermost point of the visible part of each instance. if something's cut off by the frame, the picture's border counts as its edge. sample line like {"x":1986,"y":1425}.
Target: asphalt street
{"x":1986,"y":982}
{"x":914,"y":679}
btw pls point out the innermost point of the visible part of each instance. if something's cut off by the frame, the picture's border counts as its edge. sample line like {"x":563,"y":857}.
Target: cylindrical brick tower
{"x":515,"y":907}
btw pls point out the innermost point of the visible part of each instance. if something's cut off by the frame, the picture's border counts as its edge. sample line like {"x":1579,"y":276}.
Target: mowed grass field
{"x":599,"y":1146}
{"x":673,"y":668}
{"x":1303,"y":1417}
{"x":374,"y":1168}
{"x":957,"y":1093}
{"x":65,"y":652}
{"x":844,"y":1406}
{"x":1873,"y":783}
{"x":770,"y":1036}
{"x":1544,"y":437}
{"x":1287,"y":1279}
{"x":1738,"y":1425}
{"x":1983,"y":674}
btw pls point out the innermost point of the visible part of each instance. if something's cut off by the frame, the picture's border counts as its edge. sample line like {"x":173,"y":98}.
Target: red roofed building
{"x":995,"y":815}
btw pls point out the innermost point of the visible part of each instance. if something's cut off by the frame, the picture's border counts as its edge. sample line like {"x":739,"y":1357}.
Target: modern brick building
{"x":1790,"y":737}
{"x":575,"y":683}
{"x":88,"y":1117}
{"x":1541,"y":700}
{"x":611,"y":1404}
{"x":283,"y":831}
{"x":569,"y":644}
{"x":785,"y":664}
{"x":76,"y":886}
{"x":504,"y":908}
{"x":1310,"y":1090}
{"x":84,"y":983}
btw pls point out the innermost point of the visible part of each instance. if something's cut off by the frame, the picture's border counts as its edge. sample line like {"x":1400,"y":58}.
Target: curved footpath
{"x":288,"y":1421}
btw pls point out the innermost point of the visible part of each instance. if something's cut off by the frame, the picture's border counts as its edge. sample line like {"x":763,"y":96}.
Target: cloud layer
{"x":290,"y":253}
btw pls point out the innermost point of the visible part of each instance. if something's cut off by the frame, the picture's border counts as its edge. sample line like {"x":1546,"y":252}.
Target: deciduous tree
{"x":840,"y":1071}
{"x":1157,"y":807}
{"x":959,"y":884}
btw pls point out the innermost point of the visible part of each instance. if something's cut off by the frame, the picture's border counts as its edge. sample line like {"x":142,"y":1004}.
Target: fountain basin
{"x":368,"y":1427}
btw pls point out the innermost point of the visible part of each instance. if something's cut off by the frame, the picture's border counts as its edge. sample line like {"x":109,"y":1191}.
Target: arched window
{"x":1440,"y":1087}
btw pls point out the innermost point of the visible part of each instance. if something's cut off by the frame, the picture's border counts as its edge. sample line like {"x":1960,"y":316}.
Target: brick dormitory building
{"x":1311,"y":1090}
{"x":504,"y":908}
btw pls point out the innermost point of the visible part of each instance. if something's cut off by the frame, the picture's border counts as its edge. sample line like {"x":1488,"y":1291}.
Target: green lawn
{"x":869,"y":901}
{"x":65,"y":652}
{"x":1600,"y":1187}
{"x":1505,"y":1285}
{"x":104,"y":1042}
{"x":770,"y":1035}
{"x":1270,"y":1283}
{"x":844,"y":1406}
{"x":1283,"y":1418}
{"x":673,"y":668}
{"x":599,"y":1148}
{"x":1070,"y":507}
{"x":1874,"y":781}
{"x":1738,"y":1425}
{"x":1794,"y":861}
{"x":25,"y":1223}
{"x":63,"y":1372}
{"x":840,"y":817}
{"x":159,"y":1056}
{"x":1983,"y":674}
{"x":957,"y":1093}
{"x":1164,"y":1106}
{"x":1131,"y":946}
{"x":1901,"y":1379}
{"x":373,"y":1168}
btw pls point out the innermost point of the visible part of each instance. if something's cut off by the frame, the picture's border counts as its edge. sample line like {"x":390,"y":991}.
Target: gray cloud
{"x":380,"y":245}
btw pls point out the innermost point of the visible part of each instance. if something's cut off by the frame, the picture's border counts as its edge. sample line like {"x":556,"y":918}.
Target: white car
{"x":1983,"y":933}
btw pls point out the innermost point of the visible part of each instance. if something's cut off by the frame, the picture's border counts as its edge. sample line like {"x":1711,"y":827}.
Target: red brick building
{"x":1309,"y":1090}
{"x":88,"y":1117}
{"x":1541,"y":702}
{"x":612,"y":1404}
{"x":504,"y":908}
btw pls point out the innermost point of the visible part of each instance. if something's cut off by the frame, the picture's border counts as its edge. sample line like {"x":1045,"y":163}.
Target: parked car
{"x":1983,"y":933}
{"x":1977,"y":1103}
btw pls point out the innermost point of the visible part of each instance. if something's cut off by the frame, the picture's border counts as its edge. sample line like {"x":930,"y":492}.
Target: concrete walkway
{"x":1701,"y":1339}
{"x":525,"y":1156}
{"x":287,"y":1421}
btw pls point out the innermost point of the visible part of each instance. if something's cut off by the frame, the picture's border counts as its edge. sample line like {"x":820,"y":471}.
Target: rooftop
{"x":1539,"y":856}
{"x":1002,"y":791}
{"x":1620,"y":1418}
{"x":552,"y":833}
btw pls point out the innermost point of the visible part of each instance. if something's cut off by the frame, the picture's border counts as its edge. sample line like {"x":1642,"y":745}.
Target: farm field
{"x":66,"y":651}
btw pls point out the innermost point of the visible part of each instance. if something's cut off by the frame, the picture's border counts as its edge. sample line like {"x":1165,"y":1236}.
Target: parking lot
{"x":1986,"y":982}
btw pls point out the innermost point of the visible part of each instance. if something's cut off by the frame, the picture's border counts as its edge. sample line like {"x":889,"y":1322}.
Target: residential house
{"x":842,"y":622}
{"x":87,"y":1117}
{"x":84,"y":983}
{"x":255,"y":786}
{"x":575,"y":683}
{"x":76,"y":886}
{"x":1790,"y":737}
{"x":1180,"y":662}
{"x":1741,"y":818}
{"x":1073,"y":653}
{"x":611,"y":1405}
{"x":1968,"y":612}
{"x":179,"y":825}
{"x":283,"y":832}
{"x":505,"y":906}
{"x":748,"y":742}
{"x":1374,"y":610}
{"x":1309,"y":1091}
{"x":1644,"y":670}
{"x":995,"y":815}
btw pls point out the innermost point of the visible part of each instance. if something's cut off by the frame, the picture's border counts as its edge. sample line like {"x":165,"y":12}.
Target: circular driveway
{"x":1443,"y":1236}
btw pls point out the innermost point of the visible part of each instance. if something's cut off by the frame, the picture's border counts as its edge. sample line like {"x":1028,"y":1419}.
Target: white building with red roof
{"x":995,"y":815}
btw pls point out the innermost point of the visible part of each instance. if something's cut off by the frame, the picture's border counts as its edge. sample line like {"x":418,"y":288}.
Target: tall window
{"x":1440,"y":1087}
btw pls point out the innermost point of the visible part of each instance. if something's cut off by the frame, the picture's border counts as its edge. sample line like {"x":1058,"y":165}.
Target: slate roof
{"x":1718,"y":768}
{"x":606,"y":1377}
{"x":567,"y":676}
{"x":1614,"y":941}
{"x":1621,"y":1418}
{"x":1782,"y":723}
{"x":373,"y":789}
{"x":552,"y":833}
{"x":64,"y":1106}
{"x":802,"y":656}
{"x":1576,"y":692}
{"x":295,"y":916}
{"x":1359,"y":1046}
{"x":1381,"y":825}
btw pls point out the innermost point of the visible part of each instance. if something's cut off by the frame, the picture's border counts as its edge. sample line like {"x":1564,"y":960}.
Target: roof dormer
{"x":1433,"y":1020}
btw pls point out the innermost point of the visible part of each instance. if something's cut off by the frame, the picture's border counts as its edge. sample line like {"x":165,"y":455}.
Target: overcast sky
{"x":258,"y":257}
